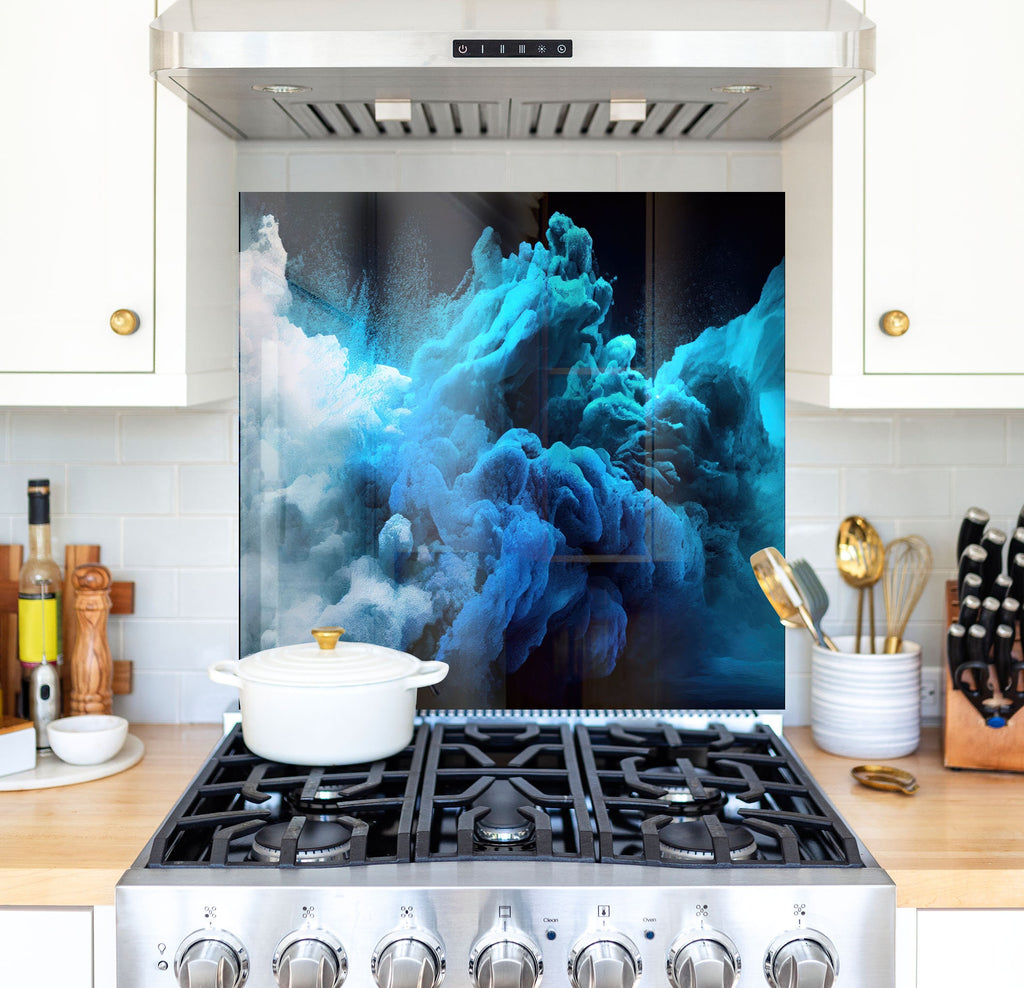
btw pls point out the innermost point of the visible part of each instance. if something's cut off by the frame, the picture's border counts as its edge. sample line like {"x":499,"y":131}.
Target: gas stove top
{"x":642,"y":793}
{"x":493,"y":851}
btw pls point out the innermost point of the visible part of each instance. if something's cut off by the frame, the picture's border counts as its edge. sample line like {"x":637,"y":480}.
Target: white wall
{"x":158,"y":490}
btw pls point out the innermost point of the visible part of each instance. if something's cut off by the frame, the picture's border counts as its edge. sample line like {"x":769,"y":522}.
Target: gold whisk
{"x":908,"y":564}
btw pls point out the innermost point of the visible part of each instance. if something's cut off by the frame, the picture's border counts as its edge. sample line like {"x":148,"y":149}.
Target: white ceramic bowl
{"x":88,"y":739}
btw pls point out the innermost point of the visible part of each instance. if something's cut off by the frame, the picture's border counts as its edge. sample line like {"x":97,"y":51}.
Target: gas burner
{"x":326,"y":803}
{"x":682,"y":802}
{"x":319,"y":843}
{"x":502,"y":824}
{"x":691,"y":841}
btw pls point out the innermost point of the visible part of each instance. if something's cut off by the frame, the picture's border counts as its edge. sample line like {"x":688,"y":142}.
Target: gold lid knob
{"x":895,"y":323}
{"x":327,"y":638}
{"x":124,"y":322}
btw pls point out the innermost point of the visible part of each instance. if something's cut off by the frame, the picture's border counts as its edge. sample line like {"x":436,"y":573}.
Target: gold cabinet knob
{"x":895,"y":323}
{"x":124,"y":322}
{"x":327,"y":638}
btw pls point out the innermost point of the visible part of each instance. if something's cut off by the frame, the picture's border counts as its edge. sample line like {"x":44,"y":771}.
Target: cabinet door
{"x":43,"y":946}
{"x":944,"y":213}
{"x":76,"y":186}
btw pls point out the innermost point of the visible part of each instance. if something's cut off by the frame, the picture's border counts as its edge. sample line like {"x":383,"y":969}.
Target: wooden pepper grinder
{"x":92,"y":670}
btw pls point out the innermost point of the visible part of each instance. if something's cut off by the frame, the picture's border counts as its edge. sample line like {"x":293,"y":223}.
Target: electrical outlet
{"x":931,"y":694}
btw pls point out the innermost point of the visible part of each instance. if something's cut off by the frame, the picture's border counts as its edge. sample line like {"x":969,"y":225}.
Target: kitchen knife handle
{"x":955,"y":652}
{"x":972,"y":560}
{"x":1009,"y":612}
{"x":1016,"y":545}
{"x":1004,"y":645}
{"x":988,"y":618}
{"x":993,"y":542}
{"x":970,"y":607}
{"x":1001,"y":587}
{"x":977,"y":662}
{"x":1017,"y":576}
{"x":971,"y":528}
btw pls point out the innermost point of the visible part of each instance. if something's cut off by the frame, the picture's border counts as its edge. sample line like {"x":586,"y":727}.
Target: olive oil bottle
{"x":39,"y":594}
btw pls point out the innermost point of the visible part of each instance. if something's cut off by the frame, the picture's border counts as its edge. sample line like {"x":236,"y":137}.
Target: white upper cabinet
{"x":907,"y":198}
{"x":99,"y":218}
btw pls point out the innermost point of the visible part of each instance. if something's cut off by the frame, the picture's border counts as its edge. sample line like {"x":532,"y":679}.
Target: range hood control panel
{"x":514,"y":48}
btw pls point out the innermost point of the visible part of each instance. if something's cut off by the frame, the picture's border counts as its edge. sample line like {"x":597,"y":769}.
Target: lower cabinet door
{"x":46,"y":947}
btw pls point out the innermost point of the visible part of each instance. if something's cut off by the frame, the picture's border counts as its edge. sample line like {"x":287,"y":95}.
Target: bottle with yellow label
{"x":39,"y":588}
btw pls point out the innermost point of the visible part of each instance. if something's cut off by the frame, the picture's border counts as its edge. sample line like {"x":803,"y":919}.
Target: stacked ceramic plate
{"x":863,"y":705}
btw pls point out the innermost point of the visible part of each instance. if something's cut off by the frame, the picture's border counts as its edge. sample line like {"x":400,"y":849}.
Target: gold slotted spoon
{"x":860,"y":559}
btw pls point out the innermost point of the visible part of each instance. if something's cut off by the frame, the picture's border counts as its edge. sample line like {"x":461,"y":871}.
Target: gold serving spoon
{"x":860,"y":559}
{"x":776,"y":580}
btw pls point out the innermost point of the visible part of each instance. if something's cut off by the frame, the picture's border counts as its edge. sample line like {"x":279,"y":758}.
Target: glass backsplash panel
{"x":534,"y":435}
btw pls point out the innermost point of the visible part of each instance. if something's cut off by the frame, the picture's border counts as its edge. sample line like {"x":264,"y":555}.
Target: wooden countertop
{"x":69,"y":846}
{"x":959,"y":842}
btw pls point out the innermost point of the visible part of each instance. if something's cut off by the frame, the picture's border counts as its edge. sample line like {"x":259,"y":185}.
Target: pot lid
{"x":328,"y":662}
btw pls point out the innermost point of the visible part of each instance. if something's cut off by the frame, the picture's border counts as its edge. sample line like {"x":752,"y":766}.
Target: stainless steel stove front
{"x":484,"y":924}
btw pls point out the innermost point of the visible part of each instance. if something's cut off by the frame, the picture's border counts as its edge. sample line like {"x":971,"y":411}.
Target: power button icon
{"x":463,"y":49}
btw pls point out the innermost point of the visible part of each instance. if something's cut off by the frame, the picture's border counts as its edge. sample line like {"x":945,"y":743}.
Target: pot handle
{"x":430,"y":673}
{"x":224,"y":672}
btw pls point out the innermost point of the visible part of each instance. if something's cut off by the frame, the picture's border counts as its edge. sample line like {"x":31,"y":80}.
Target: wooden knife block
{"x":122,"y":596}
{"x":967,"y":741}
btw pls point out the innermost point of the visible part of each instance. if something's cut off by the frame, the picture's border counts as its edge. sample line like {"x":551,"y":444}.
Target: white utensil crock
{"x":863,"y":705}
{"x":307,"y":705}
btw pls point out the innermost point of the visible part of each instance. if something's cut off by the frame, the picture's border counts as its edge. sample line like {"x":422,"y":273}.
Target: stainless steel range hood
{"x":494,"y":69}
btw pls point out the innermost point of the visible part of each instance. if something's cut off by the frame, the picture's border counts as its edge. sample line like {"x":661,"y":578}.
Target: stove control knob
{"x":606,"y":960}
{"x":801,"y":959}
{"x":310,"y":959}
{"x":211,"y":959}
{"x":408,"y":959}
{"x":505,"y":961}
{"x":705,"y":960}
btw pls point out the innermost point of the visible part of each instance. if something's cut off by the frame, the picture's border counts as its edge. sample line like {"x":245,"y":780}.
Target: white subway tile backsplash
{"x":14,"y":478}
{"x":812,"y":492}
{"x":76,"y":437}
{"x":178,"y":645}
{"x":156,"y":592}
{"x":203,"y":701}
{"x":179,"y":542}
{"x":155,"y":698}
{"x":101,"y":530}
{"x":999,"y":490}
{"x":341,"y":172}
{"x":1015,"y":439}
{"x":842,"y":441}
{"x":939,"y":440}
{"x":896,"y":493}
{"x":812,"y":540}
{"x":651,"y":172}
{"x":175,"y":437}
{"x":211,"y":593}
{"x":120,"y":489}
{"x":209,"y":490}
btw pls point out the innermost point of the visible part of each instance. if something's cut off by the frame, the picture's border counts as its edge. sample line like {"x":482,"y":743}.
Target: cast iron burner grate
{"x":504,"y":790}
{"x":237,"y":794}
{"x":636,"y":773}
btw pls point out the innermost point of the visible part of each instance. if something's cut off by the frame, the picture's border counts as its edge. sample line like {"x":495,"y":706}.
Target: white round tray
{"x":50,"y":771}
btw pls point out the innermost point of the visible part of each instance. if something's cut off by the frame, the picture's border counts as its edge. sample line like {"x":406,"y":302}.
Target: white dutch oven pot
{"x":327,"y":702}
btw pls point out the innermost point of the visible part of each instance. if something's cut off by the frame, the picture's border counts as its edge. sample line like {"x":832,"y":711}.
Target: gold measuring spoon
{"x":860,"y":559}
{"x":885,"y":777}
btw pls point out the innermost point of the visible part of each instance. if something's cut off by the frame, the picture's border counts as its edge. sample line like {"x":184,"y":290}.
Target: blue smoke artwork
{"x":524,"y":459}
